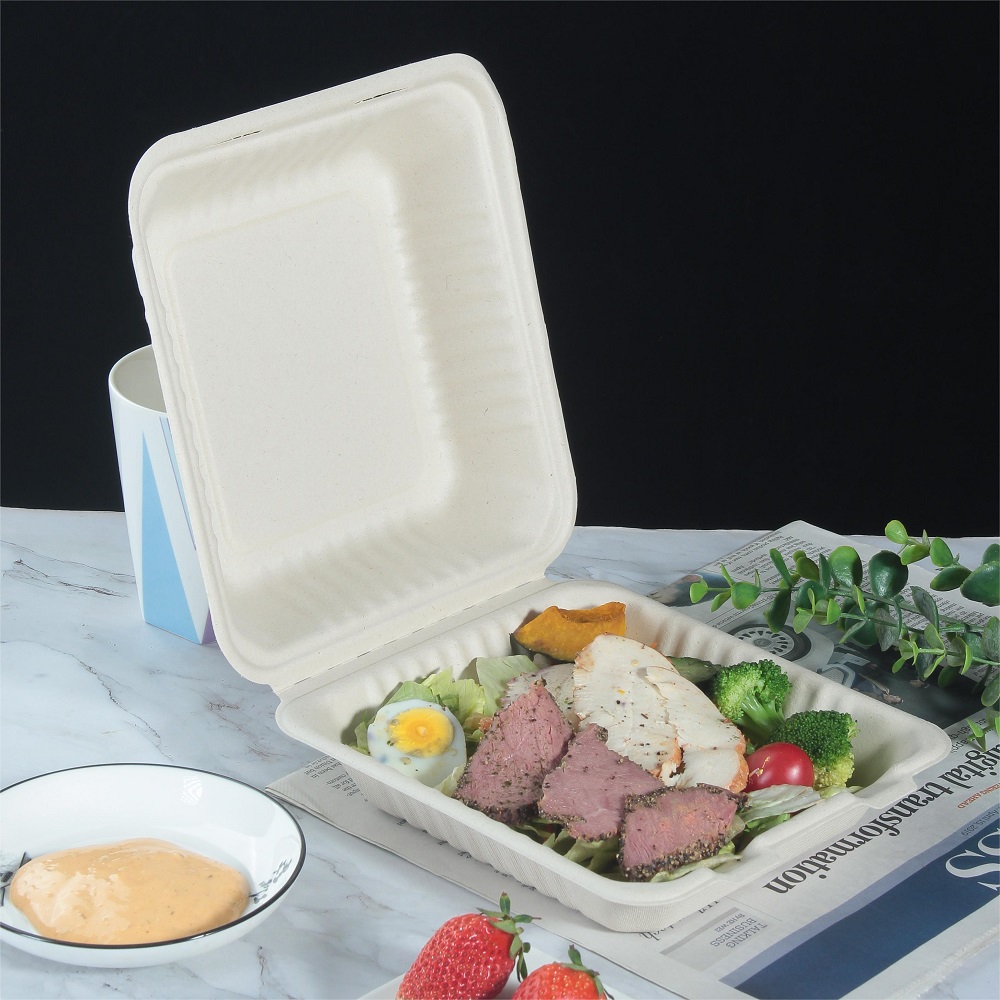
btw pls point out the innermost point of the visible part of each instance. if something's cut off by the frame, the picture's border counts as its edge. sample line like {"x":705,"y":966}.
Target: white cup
{"x":167,"y":575}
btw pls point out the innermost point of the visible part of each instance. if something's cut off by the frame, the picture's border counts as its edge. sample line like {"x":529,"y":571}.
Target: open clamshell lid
{"x":355,"y":367}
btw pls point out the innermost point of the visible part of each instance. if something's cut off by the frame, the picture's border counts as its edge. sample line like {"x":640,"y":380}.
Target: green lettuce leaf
{"x":450,"y":784}
{"x":727,"y":854}
{"x":462,"y":698}
{"x":495,"y":672}
{"x":467,"y":699}
{"x":778,"y":800}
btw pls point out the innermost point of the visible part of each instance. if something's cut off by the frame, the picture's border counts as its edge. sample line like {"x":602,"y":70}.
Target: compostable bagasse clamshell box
{"x":356,"y":370}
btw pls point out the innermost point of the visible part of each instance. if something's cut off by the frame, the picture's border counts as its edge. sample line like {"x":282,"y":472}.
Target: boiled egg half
{"x":419,"y":738}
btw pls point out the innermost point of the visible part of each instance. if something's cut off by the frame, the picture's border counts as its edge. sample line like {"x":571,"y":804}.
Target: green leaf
{"x":991,"y":693}
{"x":959,"y":653}
{"x":886,"y":630}
{"x":951,"y":578}
{"x":861,"y":632}
{"x":925,"y":665}
{"x":925,"y":604}
{"x":983,"y":584}
{"x":932,"y":638}
{"x":991,"y":639}
{"x":825,"y":574}
{"x":725,"y":575}
{"x":494,"y":673}
{"x":832,"y":611}
{"x":698,"y":590}
{"x":744,"y":594}
{"x":895,"y":532}
{"x":805,"y":567}
{"x":947,"y":676}
{"x":803,"y":616}
{"x":978,"y":736}
{"x":940,"y":553}
{"x":991,"y":554}
{"x":887,"y":574}
{"x":846,"y":565}
{"x":720,"y":599}
{"x":913,"y":553}
{"x":779,"y":564}
{"x":809,"y":594}
{"x":777,"y":614}
{"x":695,"y":669}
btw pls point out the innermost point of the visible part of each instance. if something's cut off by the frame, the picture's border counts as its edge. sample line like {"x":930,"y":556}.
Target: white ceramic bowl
{"x":214,"y":815}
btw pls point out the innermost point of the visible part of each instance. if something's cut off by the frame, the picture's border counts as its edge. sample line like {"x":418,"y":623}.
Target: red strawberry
{"x":562,"y":981}
{"x":468,"y":957}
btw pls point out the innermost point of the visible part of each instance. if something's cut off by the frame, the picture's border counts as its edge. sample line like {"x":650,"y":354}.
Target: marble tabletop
{"x":84,"y":680}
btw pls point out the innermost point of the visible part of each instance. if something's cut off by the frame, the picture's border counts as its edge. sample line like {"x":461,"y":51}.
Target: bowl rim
{"x":138,"y":947}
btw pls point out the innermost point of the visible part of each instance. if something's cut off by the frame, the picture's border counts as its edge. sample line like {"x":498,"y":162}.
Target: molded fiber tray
{"x":890,"y":749}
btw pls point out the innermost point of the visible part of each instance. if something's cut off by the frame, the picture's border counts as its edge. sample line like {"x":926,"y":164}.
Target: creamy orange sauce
{"x":132,"y":892}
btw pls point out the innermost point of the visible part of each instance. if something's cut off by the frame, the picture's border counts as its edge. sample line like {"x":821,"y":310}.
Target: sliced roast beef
{"x":587,"y":791}
{"x":526,"y":740}
{"x":557,"y":678}
{"x":674,"y":826}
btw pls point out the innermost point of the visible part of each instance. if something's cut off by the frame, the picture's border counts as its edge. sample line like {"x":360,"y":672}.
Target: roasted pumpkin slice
{"x":561,"y":634}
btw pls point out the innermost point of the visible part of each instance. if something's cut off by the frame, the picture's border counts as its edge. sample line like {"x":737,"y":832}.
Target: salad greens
{"x":471,"y":700}
{"x":765,"y":808}
{"x":468,"y":699}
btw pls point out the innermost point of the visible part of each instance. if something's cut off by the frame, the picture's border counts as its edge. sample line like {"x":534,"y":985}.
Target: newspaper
{"x":818,"y":647}
{"x":887,"y":909}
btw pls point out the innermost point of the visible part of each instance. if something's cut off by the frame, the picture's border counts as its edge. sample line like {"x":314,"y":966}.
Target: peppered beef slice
{"x":526,"y":740}
{"x":588,"y":790}
{"x":674,"y":826}
{"x":557,"y":678}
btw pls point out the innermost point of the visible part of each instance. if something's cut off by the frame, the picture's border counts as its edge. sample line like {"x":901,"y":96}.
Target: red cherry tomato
{"x":779,"y":764}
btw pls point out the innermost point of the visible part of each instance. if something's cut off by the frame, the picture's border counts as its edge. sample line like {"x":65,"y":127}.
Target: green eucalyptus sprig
{"x":829,"y":591}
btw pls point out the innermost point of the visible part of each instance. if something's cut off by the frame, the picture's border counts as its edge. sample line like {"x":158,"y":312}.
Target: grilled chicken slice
{"x":610,"y":690}
{"x":655,"y":716}
{"x":717,"y":766}
{"x":711,"y":745}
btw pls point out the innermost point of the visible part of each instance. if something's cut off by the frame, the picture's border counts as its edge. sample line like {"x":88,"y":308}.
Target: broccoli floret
{"x":752,"y":695}
{"x":826,"y":736}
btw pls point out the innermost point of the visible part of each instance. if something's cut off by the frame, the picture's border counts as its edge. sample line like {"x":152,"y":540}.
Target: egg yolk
{"x":421,"y":732}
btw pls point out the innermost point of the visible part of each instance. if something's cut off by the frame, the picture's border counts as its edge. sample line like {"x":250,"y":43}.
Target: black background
{"x":765,"y":235}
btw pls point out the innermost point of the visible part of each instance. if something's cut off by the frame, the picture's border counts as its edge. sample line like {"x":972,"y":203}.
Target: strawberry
{"x":469,"y":957}
{"x":562,"y":981}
